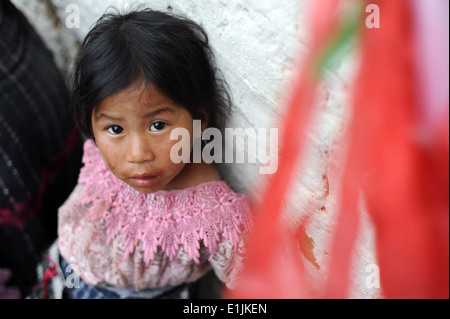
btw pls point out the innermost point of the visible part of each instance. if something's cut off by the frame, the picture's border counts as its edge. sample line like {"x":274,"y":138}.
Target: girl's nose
{"x":139,"y":150}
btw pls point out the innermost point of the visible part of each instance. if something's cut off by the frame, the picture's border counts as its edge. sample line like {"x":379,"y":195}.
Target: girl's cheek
{"x":112,"y":162}
{"x":166,"y":148}
{"x":112,"y":167}
{"x":109,"y":157}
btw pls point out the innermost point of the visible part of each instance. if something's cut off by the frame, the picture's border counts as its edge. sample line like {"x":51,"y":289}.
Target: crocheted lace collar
{"x":165,"y":219}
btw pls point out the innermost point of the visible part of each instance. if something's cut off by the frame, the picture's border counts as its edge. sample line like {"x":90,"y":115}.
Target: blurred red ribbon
{"x":397,"y":158}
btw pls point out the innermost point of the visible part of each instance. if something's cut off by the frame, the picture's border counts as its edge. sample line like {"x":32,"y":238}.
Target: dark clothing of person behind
{"x":40,"y":149}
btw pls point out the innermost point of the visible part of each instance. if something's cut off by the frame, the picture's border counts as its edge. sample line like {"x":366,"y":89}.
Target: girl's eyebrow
{"x":159,"y":111}
{"x":150,"y":114}
{"x":107,"y":117}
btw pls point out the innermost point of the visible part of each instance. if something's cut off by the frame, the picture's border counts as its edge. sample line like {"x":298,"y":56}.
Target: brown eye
{"x":157,"y":126}
{"x":115,"y":129}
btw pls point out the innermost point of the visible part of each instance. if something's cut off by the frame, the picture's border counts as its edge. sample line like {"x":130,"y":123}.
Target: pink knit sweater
{"x":114,"y":235}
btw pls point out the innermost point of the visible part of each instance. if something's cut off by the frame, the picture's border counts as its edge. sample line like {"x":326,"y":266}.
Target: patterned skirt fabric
{"x":79,"y":289}
{"x":40,"y":148}
{"x":57,"y":279}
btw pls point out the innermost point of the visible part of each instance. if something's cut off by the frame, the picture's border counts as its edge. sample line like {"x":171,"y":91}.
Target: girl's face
{"x":132,"y":131}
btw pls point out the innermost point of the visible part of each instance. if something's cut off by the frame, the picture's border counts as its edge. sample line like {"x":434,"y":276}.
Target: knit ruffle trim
{"x":167,"y":220}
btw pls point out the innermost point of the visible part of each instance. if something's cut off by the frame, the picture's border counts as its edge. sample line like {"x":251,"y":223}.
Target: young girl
{"x":139,"y":225}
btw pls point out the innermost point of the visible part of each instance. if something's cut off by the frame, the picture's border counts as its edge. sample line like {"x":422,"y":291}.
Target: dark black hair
{"x":170,"y":52}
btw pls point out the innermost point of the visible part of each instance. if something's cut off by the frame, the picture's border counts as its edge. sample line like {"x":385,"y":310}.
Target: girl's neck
{"x":194,"y":174}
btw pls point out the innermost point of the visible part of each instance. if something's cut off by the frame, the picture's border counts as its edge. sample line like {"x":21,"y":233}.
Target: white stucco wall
{"x":257,"y":45}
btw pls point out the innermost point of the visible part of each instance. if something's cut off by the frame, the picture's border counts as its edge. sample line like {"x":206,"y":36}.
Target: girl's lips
{"x":144,"y":181}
